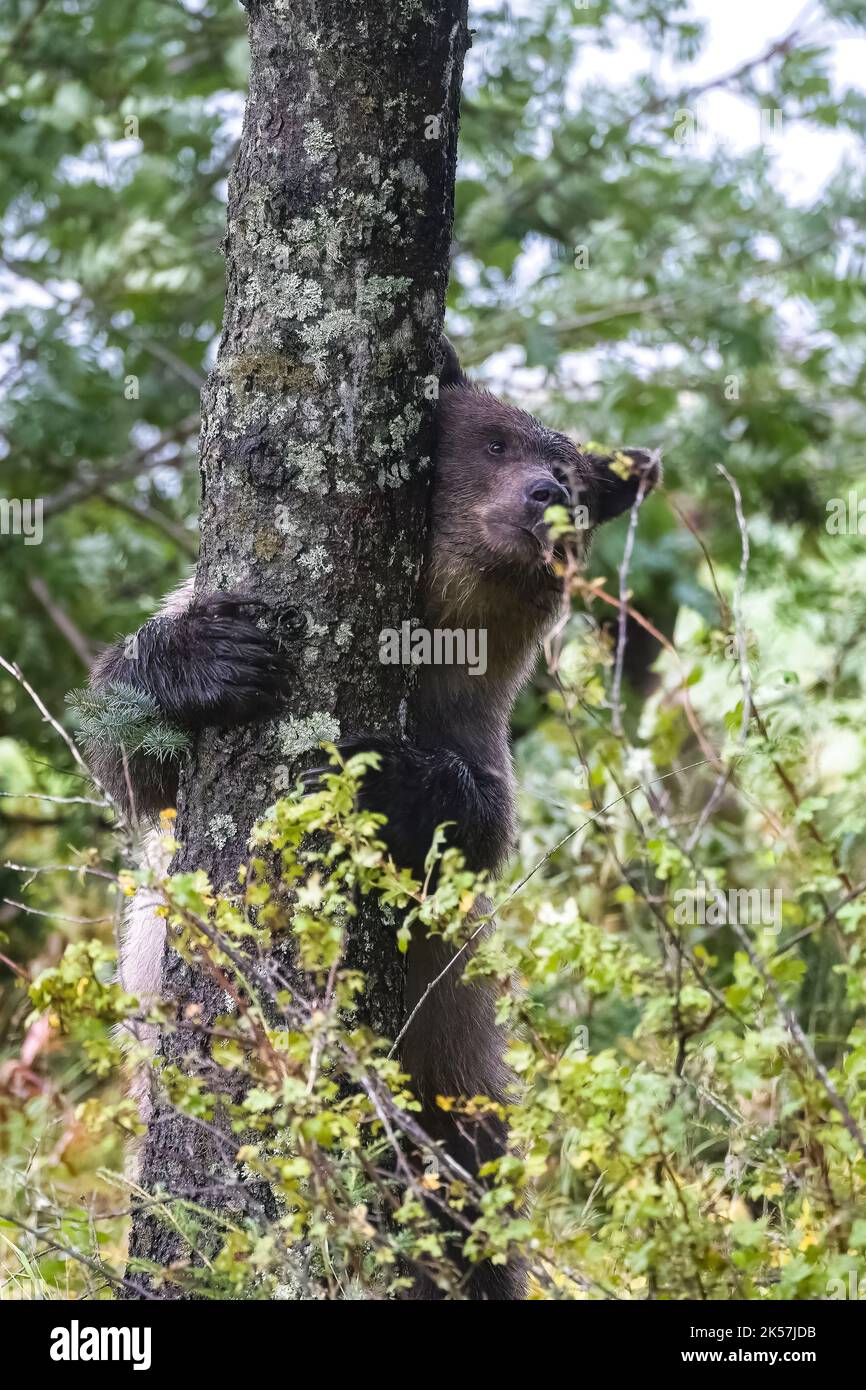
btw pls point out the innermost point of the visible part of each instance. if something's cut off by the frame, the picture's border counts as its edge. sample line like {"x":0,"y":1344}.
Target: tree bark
{"x":317,"y":444}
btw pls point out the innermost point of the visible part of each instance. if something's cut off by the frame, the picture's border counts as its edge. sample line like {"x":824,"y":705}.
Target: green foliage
{"x":691,"y":1107}
{"x":120,"y":716}
{"x":675,"y":1133}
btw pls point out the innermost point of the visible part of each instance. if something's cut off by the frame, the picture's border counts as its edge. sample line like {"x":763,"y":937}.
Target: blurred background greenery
{"x":636,"y":258}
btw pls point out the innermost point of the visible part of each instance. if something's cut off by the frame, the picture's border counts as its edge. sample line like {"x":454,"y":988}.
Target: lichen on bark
{"x":316,"y":443}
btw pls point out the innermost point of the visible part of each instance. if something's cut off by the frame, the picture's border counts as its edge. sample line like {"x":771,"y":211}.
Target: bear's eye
{"x":496,"y":446}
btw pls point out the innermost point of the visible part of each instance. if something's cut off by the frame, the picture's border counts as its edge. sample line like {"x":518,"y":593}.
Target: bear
{"x":490,"y":566}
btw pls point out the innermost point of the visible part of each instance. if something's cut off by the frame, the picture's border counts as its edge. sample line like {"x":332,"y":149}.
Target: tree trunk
{"x":317,"y":443}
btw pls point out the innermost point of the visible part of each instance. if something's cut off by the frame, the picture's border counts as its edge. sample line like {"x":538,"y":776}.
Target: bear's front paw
{"x":233,"y":660}
{"x":312,"y":780}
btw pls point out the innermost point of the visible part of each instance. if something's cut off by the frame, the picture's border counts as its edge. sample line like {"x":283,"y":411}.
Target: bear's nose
{"x":546,"y":492}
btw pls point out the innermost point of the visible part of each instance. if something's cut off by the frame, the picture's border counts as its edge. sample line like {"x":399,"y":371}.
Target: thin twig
{"x":55,"y":916}
{"x":15,"y":671}
{"x":76,"y":1255}
{"x":792,"y":1023}
{"x":616,"y":692}
{"x":724,"y":776}
{"x":61,"y":620}
{"x":60,"y":800}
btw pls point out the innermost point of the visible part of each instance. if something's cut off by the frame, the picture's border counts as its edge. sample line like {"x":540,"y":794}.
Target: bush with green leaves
{"x":689,"y":1119}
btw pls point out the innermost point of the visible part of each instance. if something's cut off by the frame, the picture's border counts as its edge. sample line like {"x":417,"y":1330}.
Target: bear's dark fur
{"x":489,"y":567}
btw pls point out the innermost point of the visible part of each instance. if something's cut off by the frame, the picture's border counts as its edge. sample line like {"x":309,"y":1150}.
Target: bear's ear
{"x":452,"y":374}
{"x":616,"y":478}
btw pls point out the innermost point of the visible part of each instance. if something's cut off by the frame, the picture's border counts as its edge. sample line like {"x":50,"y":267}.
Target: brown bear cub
{"x":490,"y":568}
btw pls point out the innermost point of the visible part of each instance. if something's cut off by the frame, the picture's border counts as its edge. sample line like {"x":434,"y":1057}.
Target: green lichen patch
{"x":298,"y":736}
{"x":221,"y":829}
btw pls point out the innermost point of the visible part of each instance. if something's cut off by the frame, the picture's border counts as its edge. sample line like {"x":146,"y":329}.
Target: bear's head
{"x":498,"y":471}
